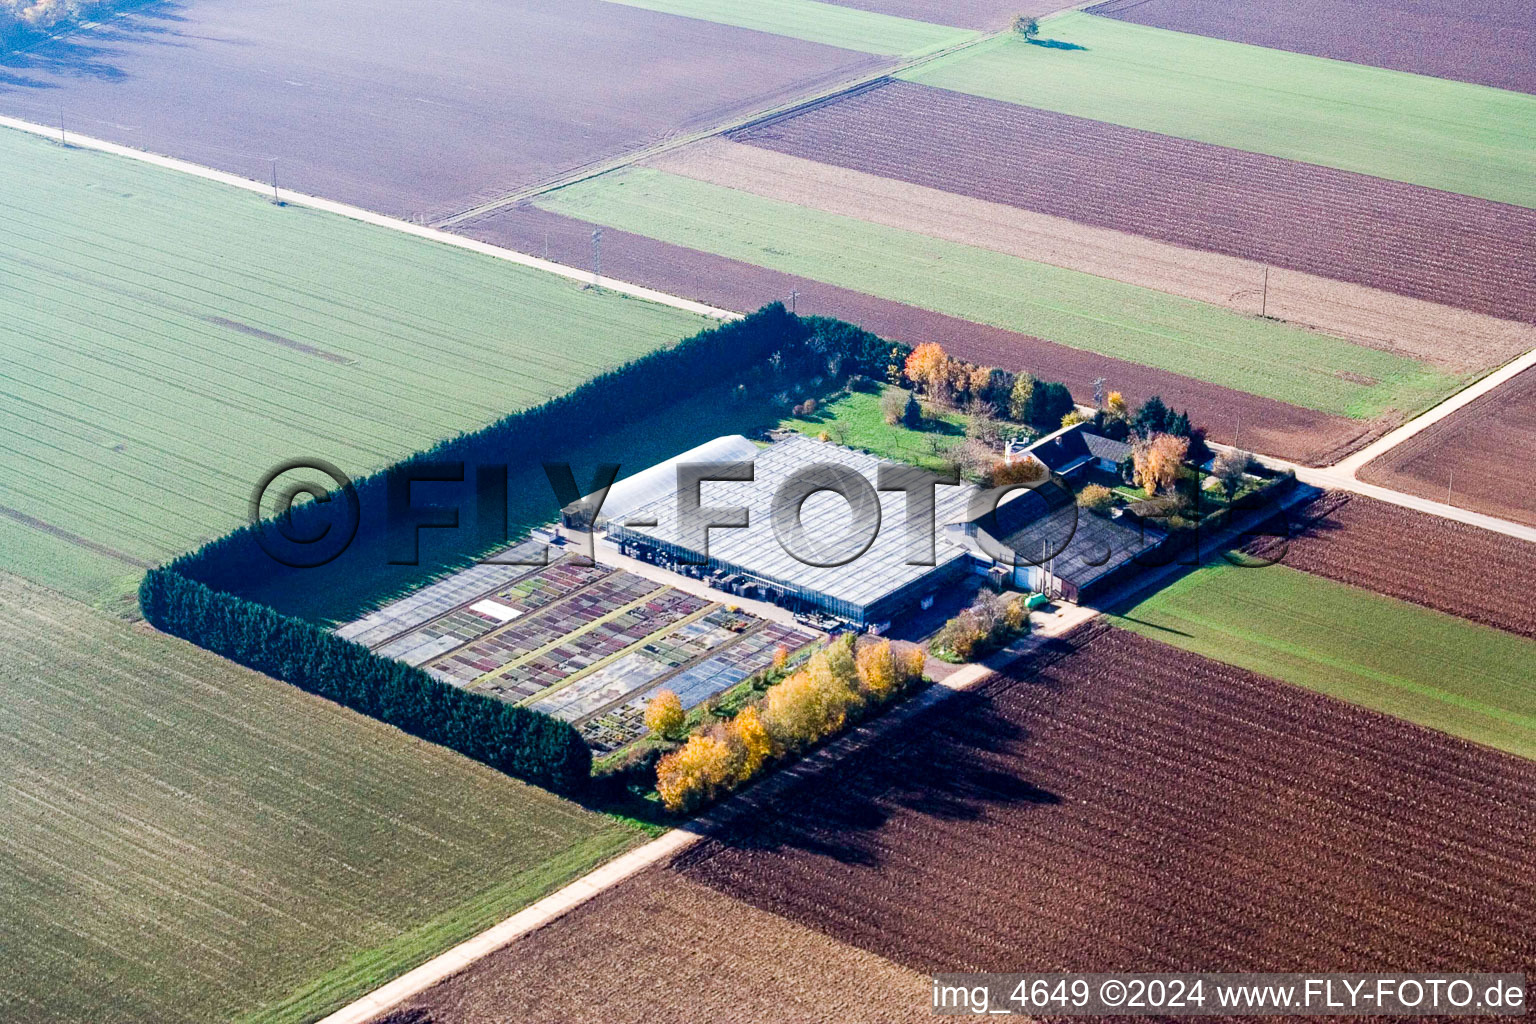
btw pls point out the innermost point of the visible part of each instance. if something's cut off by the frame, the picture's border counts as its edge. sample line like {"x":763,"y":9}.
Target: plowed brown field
{"x":1445,"y":336}
{"x":1121,"y":805}
{"x":1451,"y":567}
{"x":660,"y":948}
{"x":1490,"y":42}
{"x":1480,"y":456}
{"x":1267,"y":426}
{"x":417,"y":110}
{"x":1383,"y":234}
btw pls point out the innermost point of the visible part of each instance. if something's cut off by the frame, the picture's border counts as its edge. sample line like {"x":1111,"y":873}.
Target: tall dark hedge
{"x":196,"y":596}
{"x":520,"y":742}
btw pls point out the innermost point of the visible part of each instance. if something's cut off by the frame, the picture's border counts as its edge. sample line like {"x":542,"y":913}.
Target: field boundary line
{"x":369,"y":217}
{"x":557,"y":904}
{"x":1353,"y":463}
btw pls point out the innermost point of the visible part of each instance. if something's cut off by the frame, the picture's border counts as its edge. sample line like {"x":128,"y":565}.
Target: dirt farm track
{"x":1074,"y":814}
{"x":406,"y":111}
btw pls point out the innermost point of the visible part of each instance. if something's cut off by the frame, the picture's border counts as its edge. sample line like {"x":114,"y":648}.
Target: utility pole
{"x":597,"y":255}
{"x":276,"y":200}
{"x":1238,"y":433}
{"x":1448,"y":484}
{"x":794,"y":295}
{"x":1264,"y":301}
{"x":62,"y":140}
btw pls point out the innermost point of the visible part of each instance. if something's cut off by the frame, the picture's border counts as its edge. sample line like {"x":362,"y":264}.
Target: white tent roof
{"x":660,"y":480}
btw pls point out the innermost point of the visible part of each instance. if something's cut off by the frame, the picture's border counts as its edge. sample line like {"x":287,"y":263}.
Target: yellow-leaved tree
{"x":751,"y":742}
{"x":877,"y":670}
{"x":1157,"y":460}
{"x":664,"y":714}
{"x":694,"y":773}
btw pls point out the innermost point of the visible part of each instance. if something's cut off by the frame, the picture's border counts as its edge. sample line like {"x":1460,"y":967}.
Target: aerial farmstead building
{"x":830,"y":563}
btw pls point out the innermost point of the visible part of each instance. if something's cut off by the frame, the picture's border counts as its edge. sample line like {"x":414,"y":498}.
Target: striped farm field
{"x":1425,"y":666}
{"x":167,"y":340}
{"x":816,"y":22}
{"x":1068,"y":307}
{"x":1448,"y":135}
{"x":185,"y":841}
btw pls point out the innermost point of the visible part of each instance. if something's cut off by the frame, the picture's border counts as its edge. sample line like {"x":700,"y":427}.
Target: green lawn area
{"x":1430,"y":131}
{"x":1080,"y":310}
{"x":832,"y":24}
{"x":1437,"y":670}
{"x":855,"y":419}
{"x":183,"y":840}
{"x":169,"y":339}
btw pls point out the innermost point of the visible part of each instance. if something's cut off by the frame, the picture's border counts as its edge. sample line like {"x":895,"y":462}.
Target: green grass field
{"x":832,"y":24}
{"x":167,"y":340}
{"x":1430,"y":131}
{"x":1080,"y":310}
{"x":1442,"y":672}
{"x":182,"y":840}
{"x":856,"y":420}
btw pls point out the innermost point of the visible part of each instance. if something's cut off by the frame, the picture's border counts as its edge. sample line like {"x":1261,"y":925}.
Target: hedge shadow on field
{"x":93,"y":52}
{"x":941,"y":764}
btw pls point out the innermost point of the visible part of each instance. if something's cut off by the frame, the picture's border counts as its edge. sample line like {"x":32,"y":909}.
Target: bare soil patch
{"x":1452,"y":567}
{"x":1447,"y":337}
{"x":660,"y":948}
{"x":1118,"y":804}
{"x":1261,"y":424}
{"x":1490,"y":42}
{"x":410,"y":109}
{"x":1479,"y":457}
{"x":1406,"y":239}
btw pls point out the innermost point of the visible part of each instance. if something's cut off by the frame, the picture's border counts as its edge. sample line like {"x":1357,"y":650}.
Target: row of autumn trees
{"x":985,"y":390}
{"x":838,"y":685}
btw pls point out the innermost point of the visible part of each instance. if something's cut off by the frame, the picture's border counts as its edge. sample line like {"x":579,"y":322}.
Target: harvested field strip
{"x":719,"y":953}
{"x":1453,"y":250}
{"x":1433,"y":669}
{"x":141,"y":307}
{"x":1079,"y":310}
{"x":1451,"y":567}
{"x":1489,"y":42}
{"x":1073,"y":815}
{"x":815,"y":22}
{"x":1288,"y":431}
{"x":1470,"y":457}
{"x":984,"y":15}
{"x":1407,"y":327}
{"x":1429,"y":131}
{"x":187,"y":841}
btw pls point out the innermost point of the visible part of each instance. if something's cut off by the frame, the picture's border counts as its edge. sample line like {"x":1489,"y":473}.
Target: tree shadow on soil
{"x":948,"y":763}
{"x":91,"y":53}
